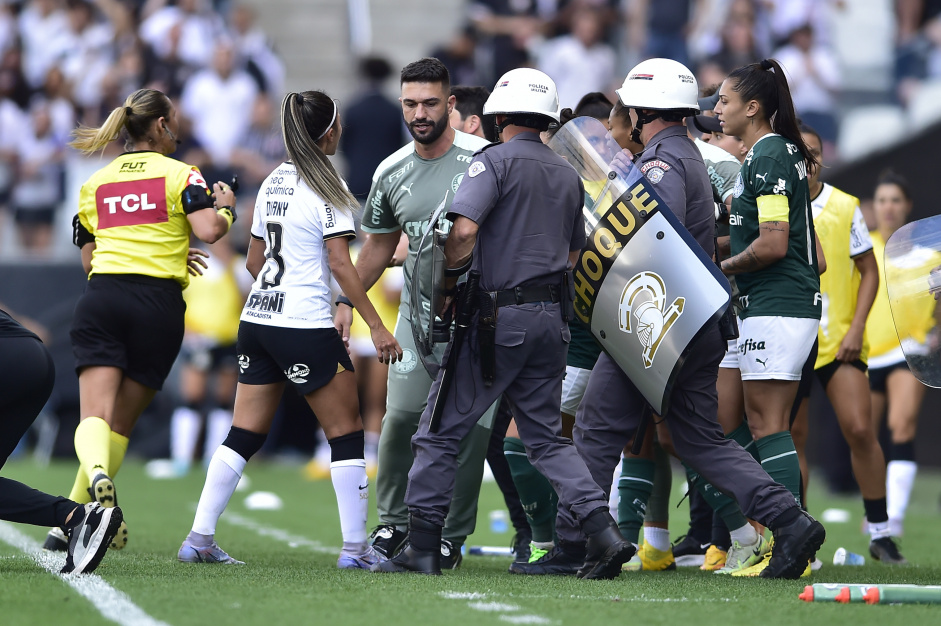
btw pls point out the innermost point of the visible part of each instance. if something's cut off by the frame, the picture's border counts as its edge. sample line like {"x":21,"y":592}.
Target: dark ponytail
{"x":766,"y":83}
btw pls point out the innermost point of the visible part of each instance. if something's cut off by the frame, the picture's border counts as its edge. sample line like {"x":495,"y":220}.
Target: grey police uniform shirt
{"x":674,"y":166}
{"x":527,"y":201}
{"x":406,"y":189}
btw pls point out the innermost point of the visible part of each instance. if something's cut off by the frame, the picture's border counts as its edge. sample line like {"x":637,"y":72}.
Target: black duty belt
{"x":525,"y":295}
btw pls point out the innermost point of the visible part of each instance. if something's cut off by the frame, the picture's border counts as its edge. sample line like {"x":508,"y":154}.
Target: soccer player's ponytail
{"x":766,"y":83}
{"x":133,"y":119}
{"x":305,"y":118}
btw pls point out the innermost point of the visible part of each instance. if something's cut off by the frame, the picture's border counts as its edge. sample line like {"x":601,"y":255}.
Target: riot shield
{"x":912,"y":274}
{"x":643,"y":285}
{"x":427,"y":286}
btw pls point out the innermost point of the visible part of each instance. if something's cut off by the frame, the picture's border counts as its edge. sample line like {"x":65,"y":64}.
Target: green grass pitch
{"x":291,"y":575}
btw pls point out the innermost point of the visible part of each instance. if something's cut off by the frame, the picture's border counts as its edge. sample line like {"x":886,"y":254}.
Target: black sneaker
{"x":520,"y":547}
{"x":795,"y":544}
{"x":884,"y":550}
{"x":410,"y":560}
{"x":688,"y":552}
{"x":89,"y":540}
{"x":387,"y":540}
{"x":56,"y":540}
{"x":450,"y":555}
{"x":562,"y":560}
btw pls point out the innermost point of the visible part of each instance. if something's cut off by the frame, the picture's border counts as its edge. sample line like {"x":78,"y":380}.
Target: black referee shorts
{"x":309,"y":358}
{"x":131,"y":322}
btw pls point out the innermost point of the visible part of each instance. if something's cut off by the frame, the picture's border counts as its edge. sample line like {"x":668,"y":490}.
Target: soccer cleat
{"x":562,"y":560}
{"x":450,"y":555}
{"x":89,"y":541}
{"x":714,"y":559}
{"x":885,"y":551}
{"x":360,"y":561}
{"x":102,"y":490}
{"x":387,"y":540}
{"x":521,"y":546}
{"x":56,"y":540}
{"x":794,"y":545}
{"x":649,"y":559}
{"x":756,"y":569}
{"x":689,"y":553}
{"x":120,"y":538}
{"x":212,"y":553}
{"x":538,"y":549}
{"x":741,"y":557}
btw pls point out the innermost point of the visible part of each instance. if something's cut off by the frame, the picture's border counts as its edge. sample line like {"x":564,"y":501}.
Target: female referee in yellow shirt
{"x":133,"y":227}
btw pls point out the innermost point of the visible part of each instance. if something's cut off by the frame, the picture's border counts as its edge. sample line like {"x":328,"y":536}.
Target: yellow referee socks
{"x":93,"y":446}
{"x":117,"y":451}
{"x":79,"y":491}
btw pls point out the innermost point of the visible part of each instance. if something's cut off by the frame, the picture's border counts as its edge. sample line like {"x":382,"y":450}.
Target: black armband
{"x":80,"y":234}
{"x":344,"y":300}
{"x":451,"y":272}
{"x":195,"y":198}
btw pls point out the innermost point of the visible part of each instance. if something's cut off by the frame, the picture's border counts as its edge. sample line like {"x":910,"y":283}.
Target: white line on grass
{"x":293,"y":541}
{"x":112,"y":604}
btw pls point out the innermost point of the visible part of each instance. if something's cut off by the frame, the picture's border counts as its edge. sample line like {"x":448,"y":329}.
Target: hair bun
{"x":766,"y":65}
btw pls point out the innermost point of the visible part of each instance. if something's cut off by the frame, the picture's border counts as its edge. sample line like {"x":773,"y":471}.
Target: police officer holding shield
{"x":518,"y":228}
{"x":660,"y":93}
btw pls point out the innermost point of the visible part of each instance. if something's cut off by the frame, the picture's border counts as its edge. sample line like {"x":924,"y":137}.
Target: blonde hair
{"x":305,"y":118}
{"x":133,"y":119}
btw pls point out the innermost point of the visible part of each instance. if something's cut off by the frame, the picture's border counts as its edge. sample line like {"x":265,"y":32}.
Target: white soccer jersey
{"x":293,"y":288}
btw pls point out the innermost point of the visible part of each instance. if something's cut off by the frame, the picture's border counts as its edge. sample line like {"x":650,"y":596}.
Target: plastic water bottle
{"x":903,"y":594}
{"x":498,"y":521}
{"x":833,"y":592}
{"x":842,"y":557}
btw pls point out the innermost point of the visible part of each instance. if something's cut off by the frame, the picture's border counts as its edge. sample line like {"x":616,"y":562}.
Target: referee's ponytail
{"x":305,"y":118}
{"x":134,"y":119}
{"x":765,"y":82}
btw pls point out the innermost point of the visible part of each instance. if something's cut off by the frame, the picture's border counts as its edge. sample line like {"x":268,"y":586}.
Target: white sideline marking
{"x":474,"y":595}
{"x":526,"y":619}
{"x":112,"y":604}
{"x":493,"y":606}
{"x":293,"y":541}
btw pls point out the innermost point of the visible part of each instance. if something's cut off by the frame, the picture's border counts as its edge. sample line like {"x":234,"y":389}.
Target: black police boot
{"x":606,"y":550}
{"x":797,"y":538}
{"x":422,"y":553}
{"x":562,"y":560}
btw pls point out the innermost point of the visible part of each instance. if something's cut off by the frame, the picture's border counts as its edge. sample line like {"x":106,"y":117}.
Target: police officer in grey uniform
{"x":520,"y":206}
{"x":661,"y":92}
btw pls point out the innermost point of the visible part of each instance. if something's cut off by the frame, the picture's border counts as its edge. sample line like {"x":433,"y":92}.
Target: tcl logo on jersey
{"x":131,"y":203}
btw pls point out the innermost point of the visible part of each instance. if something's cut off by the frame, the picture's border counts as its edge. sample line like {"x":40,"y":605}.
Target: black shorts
{"x":878,"y":375}
{"x":131,"y":322}
{"x":211,"y":357}
{"x":825,"y":372}
{"x":307,"y":357}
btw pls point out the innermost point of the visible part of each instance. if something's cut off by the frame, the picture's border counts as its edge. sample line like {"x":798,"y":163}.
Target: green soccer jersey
{"x":406,"y":190}
{"x":790,"y":287}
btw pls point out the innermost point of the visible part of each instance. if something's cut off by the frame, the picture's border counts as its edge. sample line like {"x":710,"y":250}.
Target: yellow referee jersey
{"x":834,"y":211}
{"x":912,"y":322}
{"x":133,"y":208}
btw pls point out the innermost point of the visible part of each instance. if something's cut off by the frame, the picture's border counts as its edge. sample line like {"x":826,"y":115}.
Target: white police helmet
{"x":662,"y":84}
{"x":524,"y":90}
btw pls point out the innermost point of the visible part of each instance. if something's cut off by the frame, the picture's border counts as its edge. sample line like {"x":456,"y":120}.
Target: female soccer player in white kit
{"x":300,"y":236}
